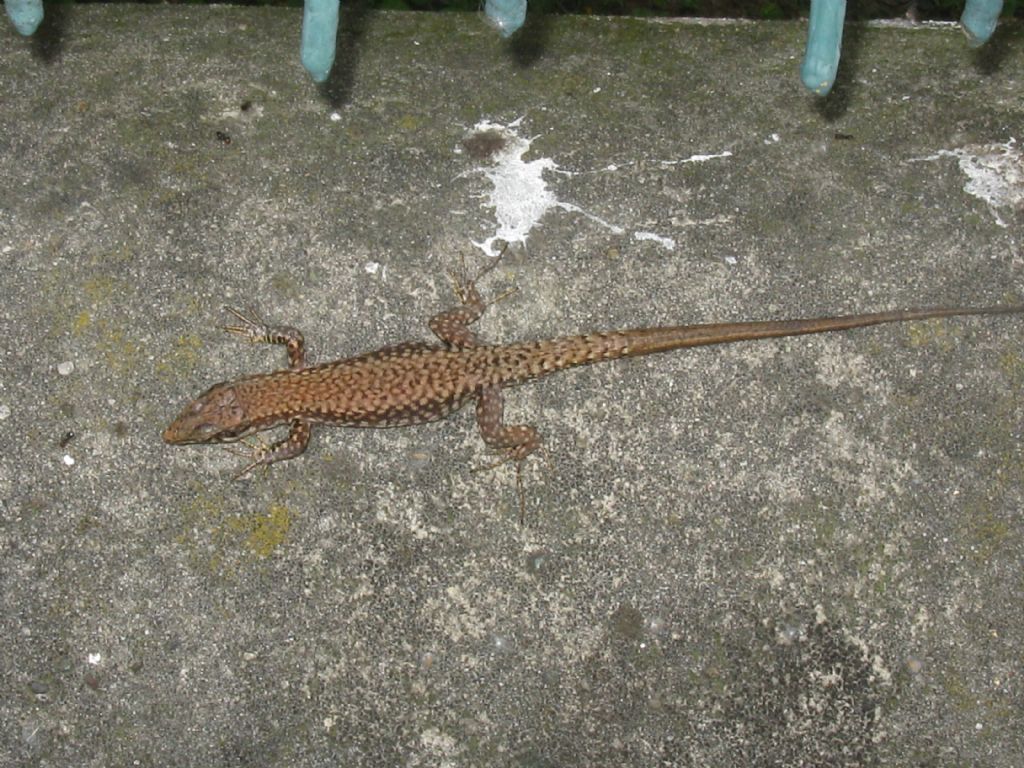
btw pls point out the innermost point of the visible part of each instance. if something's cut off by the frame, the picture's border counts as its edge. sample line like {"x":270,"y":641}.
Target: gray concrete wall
{"x":797,"y":552}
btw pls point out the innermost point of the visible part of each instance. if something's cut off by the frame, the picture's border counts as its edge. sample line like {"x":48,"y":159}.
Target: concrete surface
{"x":802,"y":552}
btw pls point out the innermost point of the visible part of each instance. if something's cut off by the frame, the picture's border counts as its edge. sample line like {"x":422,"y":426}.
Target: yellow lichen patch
{"x":1007,"y":405}
{"x":985,"y":533}
{"x":81,"y":322}
{"x":110,"y":339}
{"x":269,"y":531}
{"x":409,"y":122}
{"x":1011,"y":364}
{"x":120,"y":352}
{"x":183,"y":356}
{"x":202,"y":533}
{"x":957,"y":691}
{"x":930,"y":332}
{"x":99,"y":290}
{"x":988,"y":536}
{"x":221,"y":542}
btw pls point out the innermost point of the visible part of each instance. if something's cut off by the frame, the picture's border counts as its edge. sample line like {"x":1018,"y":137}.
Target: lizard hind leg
{"x":516,"y":441}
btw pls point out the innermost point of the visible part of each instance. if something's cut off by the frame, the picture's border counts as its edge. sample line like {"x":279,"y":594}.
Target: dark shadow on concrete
{"x":48,"y":41}
{"x":351,"y":26}
{"x":529,"y":43}
{"x":834,"y":106}
{"x":988,"y":59}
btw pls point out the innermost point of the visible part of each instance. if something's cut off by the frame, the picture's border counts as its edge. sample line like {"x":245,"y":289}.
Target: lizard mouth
{"x":182,"y":434}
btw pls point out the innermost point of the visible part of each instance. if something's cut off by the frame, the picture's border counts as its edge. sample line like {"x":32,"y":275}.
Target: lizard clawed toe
{"x":512,"y":454}
{"x":256,"y":450}
{"x":464,"y":286}
{"x":506,"y":459}
{"x":252,"y":327}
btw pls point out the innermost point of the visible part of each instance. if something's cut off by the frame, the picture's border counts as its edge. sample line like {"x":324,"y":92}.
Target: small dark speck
{"x":246,"y":105}
{"x":627,"y":622}
{"x":120,"y":429}
{"x":67,"y":438}
{"x":92,"y":680}
{"x":842,"y":136}
{"x":223,"y":138}
{"x":536,"y":562}
{"x":485,"y":144}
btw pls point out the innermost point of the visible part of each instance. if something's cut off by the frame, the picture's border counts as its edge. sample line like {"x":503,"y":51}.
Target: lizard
{"x":417,"y":382}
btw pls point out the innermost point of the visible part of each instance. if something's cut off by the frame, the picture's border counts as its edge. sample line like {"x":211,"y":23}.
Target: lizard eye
{"x":207,"y":430}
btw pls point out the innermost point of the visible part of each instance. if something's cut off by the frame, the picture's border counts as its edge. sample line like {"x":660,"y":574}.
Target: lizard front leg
{"x":452,"y":326}
{"x":289,"y":447}
{"x":252,"y":328}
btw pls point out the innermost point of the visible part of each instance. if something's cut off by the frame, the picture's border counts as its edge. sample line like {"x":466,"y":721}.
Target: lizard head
{"x":216,"y":416}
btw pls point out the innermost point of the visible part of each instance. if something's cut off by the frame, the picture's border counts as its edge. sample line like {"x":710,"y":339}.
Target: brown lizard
{"x":416,"y":383}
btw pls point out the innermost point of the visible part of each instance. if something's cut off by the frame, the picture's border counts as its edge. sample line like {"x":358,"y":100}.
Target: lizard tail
{"x":529,"y":360}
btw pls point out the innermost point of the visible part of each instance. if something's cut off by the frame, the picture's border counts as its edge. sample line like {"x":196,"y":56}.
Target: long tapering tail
{"x":528,"y":360}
